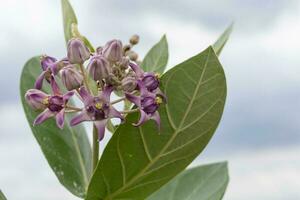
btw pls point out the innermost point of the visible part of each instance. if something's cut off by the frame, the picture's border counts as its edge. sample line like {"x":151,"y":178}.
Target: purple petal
{"x":138,"y":71}
{"x":60,"y":119}
{"x":134,"y":99}
{"x":100,"y":125}
{"x":142,"y":88}
{"x":143,"y":118}
{"x":113,"y":113}
{"x":39,"y":81}
{"x":156,"y":118}
{"x":54,"y":86}
{"x":46,"y":114}
{"x":54,"y":68}
{"x":106,"y":93}
{"x":81,"y":117}
{"x":68,"y":95}
{"x":86,"y":97}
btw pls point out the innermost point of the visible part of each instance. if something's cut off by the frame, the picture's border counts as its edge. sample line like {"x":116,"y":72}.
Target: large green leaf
{"x":2,"y":197}
{"x":207,"y":182}
{"x":67,"y":151}
{"x":71,"y":23}
{"x":137,"y":161}
{"x":220,"y":43}
{"x":157,"y":58}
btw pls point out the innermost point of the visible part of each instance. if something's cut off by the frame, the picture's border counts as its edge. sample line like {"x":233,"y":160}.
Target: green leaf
{"x":220,"y":43}
{"x":207,"y":182}
{"x":67,"y":151}
{"x":138,"y":161}
{"x":157,"y":58}
{"x":71,"y":23}
{"x":2,"y":197}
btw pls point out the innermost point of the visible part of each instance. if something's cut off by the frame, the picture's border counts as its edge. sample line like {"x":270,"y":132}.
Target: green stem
{"x":85,"y":78}
{"x":95,"y":147}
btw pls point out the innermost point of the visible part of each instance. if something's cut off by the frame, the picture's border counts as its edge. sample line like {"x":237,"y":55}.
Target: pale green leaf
{"x":138,"y":161}
{"x":67,"y":151}
{"x":2,"y":197}
{"x":220,"y":43}
{"x":157,"y":58}
{"x":207,"y":182}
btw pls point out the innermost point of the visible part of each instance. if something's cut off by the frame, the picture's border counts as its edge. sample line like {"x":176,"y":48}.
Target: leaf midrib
{"x":171,"y":139}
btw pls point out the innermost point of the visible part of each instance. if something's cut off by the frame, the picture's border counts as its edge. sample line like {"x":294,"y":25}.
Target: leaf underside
{"x":67,"y":151}
{"x":138,"y":161}
{"x":207,"y":182}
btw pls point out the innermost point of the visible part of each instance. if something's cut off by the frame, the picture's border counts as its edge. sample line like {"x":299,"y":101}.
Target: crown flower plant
{"x":160,"y":120}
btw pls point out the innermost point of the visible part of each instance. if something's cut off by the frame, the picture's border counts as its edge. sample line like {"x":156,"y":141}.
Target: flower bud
{"x":129,"y":84}
{"x":71,"y":78}
{"x":77,"y":51}
{"x":36,"y":99}
{"x":150,"y":80}
{"x":99,"y":68}
{"x":113,"y":50}
{"x":124,"y":63}
{"x":132,"y":55}
{"x":134,"y":39}
{"x":149,"y":104}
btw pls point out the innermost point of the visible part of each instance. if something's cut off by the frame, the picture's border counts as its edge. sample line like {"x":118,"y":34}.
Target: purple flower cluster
{"x":114,"y":67}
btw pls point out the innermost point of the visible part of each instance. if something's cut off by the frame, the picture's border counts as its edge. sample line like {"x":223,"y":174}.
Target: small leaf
{"x":2,"y":197}
{"x":157,"y":58}
{"x":220,"y":43}
{"x":207,"y":182}
{"x":71,"y":23}
{"x":67,"y":151}
{"x":138,"y":161}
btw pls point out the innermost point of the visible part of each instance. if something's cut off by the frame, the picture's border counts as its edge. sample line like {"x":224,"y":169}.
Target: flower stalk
{"x":95,"y":150}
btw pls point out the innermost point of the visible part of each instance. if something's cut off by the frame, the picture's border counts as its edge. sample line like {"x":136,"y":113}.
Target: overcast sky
{"x":259,"y":134}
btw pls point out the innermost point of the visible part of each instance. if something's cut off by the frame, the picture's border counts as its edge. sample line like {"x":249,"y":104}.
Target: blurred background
{"x":260,"y":131}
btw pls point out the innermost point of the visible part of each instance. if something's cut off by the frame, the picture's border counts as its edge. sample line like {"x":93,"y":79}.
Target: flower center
{"x":55,"y":103}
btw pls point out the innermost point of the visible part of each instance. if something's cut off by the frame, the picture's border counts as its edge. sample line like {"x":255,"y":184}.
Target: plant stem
{"x":129,"y":111}
{"x":117,"y":101}
{"x":85,"y":78}
{"x":95,"y":147}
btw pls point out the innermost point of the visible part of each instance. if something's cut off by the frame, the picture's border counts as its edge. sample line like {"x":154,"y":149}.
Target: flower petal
{"x":143,"y":118}
{"x":39,"y":81}
{"x":113,"y":113}
{"x":134,"y":99}
{"x":54,"y":86}
{"x":156,"y":118}
{"x":100,"y":125}
{"x":46,"y":114}
{"x":86,"y":97}
{"x":142,"y":88}
{"x":106,"y":93}
{"x":60,"y":119}
{"x":68,"y":95}
{"x":83,"y":116}
{"x":138,"y":71}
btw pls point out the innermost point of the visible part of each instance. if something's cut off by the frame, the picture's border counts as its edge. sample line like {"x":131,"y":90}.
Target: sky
{"x":260,"y":131}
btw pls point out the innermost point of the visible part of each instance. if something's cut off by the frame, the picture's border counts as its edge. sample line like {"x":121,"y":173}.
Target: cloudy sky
{"x":260,"y":131}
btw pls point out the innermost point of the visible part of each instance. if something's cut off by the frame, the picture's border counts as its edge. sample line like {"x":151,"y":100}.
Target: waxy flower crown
{"x":114,"y":67}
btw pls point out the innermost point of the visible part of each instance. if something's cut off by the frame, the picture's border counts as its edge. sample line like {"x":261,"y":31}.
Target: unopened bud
{"x":124,"y":63}
{"x":150,"y":81}
{"x":134,"y":39}
{"x":99,"y":68}
{"x":71,"y":78}
{"x":133,"y":56}
{"x":113,"y":50}
{"x":126,"y":48}
{"x":77,"y":51}
{"x":47,"y":61}
{"x":36,"y":99}
{"x":129,"y":84}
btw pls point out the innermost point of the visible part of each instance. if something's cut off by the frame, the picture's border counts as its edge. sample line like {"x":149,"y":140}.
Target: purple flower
{"x":148,"y":104}
{"x":113,"y":50}
{"x":53,"y":105}
{"x":99,"y":68}
{"x":149,"y":79}
{"x":50,"y":67}
{"x":129,"y":84}
{"x":97,"y":109}
{"x":77,"y":51}
{"x":71,"y":78}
